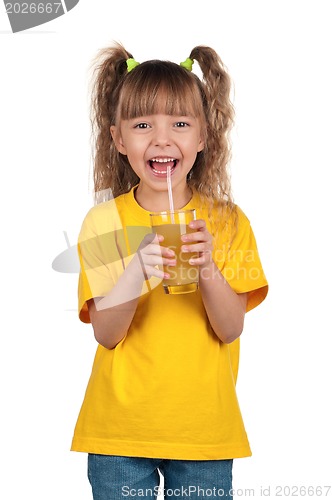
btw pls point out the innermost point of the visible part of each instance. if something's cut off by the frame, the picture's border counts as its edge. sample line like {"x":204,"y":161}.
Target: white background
{"x":279,"y":57}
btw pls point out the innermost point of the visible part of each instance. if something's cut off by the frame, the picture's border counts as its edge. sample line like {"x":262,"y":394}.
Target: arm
{"x":224,"y":307}
{"x":112,"y":315}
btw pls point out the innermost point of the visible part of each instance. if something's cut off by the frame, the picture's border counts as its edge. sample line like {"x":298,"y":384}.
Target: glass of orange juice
{"x":172,"y":224}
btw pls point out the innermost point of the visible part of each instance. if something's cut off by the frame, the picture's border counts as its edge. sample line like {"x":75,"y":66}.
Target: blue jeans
{"x":121,"y":478}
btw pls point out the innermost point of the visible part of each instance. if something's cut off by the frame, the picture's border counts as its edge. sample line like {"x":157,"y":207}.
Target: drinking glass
{"x":172,"y":224}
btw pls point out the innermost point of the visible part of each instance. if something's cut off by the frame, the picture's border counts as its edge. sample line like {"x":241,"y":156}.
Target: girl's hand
{"x":150,"y":255}
{"x":200,"y":242}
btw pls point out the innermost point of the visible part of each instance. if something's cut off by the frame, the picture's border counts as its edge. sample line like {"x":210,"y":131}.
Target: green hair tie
{"x":131,"y":64}
{"x":188,"y":64}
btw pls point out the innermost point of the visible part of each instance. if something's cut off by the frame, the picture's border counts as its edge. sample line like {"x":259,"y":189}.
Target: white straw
{"x":170,"y":194}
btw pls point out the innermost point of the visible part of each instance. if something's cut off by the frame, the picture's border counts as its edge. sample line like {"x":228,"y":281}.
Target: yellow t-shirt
{"x":167,"y":390}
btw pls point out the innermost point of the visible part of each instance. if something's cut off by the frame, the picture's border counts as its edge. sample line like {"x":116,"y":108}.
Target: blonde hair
{"x":119,"y":94}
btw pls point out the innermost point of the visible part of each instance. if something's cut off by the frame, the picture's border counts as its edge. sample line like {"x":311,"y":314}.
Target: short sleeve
{"x":242,"y":266}
{"x":102,"y":254}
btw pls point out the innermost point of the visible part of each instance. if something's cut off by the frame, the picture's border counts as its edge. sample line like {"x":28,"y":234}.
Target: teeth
{"x":162,"y":160}
{"x":159,"y":171}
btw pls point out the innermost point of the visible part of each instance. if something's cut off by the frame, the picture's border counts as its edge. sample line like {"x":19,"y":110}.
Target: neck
{"x":158,"y":201}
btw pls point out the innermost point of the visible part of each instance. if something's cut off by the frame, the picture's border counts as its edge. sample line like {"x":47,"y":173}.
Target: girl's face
{"x":152,"y":143}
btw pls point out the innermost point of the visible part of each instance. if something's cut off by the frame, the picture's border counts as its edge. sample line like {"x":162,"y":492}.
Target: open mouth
{"x":159,"y":166}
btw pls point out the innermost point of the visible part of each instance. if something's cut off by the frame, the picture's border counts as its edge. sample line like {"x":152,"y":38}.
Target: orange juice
{"x":183,"y":273}
{"x":172,"y":225}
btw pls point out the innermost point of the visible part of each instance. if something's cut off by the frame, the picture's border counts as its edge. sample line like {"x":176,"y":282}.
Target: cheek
{"x":136,"y":160}
{"x":135,"y":153}
{"x":195,"y":146}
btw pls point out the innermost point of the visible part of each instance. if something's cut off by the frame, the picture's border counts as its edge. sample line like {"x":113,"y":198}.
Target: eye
{"x":181,"y":124}
{"x":142,"y":125}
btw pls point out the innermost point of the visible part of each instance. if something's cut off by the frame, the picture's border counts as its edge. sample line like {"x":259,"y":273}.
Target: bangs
{"x":161,"y":87}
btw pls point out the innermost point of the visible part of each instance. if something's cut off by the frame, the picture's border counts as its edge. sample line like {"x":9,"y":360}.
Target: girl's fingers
{"x":156,"y":272}
{"x":197,"y":236}
{"x":199,"y":242}
{"x":198,"y":224}
{"x":153,"y":257}
{"x":153,"y":249}
{"x":156,"y":260}
{"x":195,"y":247}
{"x":202,"y":259}
{"x":160,"y":252}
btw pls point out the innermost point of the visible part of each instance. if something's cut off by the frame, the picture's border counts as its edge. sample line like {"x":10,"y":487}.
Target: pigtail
{"x":220,"y":116}
{"x":111,"y":170}
{"x":216,"y":85}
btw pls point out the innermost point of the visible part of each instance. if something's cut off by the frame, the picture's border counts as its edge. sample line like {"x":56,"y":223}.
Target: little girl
{"x":161,"y":398}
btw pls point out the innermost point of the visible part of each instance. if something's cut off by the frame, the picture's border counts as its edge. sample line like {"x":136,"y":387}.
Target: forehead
{"x":164,"y":103}
{"x":167,"y":94}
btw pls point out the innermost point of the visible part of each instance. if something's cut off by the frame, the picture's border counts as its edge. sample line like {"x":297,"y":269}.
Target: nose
{"x":161,"y":136}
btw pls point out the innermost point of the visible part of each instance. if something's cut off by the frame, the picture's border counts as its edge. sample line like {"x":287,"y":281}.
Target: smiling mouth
{"x":160,"y":165}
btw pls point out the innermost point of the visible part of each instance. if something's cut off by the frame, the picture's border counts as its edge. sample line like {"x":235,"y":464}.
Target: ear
{"x":200,"y":145}
{"x":116,"y":136}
